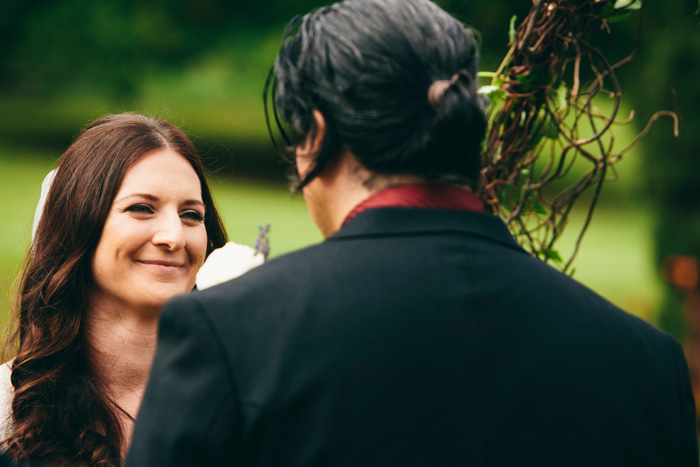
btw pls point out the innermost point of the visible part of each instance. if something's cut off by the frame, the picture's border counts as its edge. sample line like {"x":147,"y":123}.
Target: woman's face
{"x":154,"y":239}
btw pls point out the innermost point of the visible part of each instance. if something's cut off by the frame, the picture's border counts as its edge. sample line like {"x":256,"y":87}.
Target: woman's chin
{"x":153,"y":299}
{"x":158,"y":300}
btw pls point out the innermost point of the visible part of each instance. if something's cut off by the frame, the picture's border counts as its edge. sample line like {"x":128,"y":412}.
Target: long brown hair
{"x":61,"y":415}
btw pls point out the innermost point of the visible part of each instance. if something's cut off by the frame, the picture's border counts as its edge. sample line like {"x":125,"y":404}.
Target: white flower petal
{"x":487,"y":90}
{"x":226,"y":263}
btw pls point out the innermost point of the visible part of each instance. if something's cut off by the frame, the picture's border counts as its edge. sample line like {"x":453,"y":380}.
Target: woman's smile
{"x":164,"y":269}
{"x":162,"y":264}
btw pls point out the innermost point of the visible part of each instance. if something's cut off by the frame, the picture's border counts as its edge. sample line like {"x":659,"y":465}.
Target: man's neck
{"x":342,"y":185}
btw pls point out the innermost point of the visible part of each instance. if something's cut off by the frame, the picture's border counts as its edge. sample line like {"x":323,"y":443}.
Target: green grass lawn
{"x":615,"y":259}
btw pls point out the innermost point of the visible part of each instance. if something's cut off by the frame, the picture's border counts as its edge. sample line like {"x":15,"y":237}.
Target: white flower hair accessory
{"x":45,"y":187}
{"x":233,"y":260}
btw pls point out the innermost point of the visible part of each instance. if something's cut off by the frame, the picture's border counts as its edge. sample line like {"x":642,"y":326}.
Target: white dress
{"x":6,"y":395}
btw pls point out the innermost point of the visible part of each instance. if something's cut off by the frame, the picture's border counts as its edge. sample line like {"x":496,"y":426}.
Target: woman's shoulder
{"x":6,"y":395}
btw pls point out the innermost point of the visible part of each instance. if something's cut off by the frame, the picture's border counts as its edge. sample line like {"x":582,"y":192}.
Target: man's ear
{"x":314,"y":139}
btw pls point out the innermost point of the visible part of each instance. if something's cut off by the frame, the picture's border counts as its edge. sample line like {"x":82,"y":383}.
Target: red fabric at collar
{"x":420,"y":195}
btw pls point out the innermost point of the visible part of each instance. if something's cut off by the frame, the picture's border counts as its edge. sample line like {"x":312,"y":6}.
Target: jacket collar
{"x":393,"y":221}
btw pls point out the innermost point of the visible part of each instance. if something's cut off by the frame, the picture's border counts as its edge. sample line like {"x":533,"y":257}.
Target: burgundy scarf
{"x":420,"y":195}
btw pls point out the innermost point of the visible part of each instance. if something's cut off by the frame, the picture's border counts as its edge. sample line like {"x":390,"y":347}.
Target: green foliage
{"x":51,"y":47}
{"x":665,"y":77}
{"x":549,"y":253}
{"x":538,"y":76}
{"x":620,"y":9}
{"x":627,"y":4}
{"x":111,"y":46}
{"x":538,"y":125}
{"x":511,"y":29}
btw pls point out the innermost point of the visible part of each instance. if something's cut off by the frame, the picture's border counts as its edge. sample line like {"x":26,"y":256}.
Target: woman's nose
{"x":169,"y":232}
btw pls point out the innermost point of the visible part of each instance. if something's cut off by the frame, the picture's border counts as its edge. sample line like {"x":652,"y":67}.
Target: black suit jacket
{"x":412,"y":337}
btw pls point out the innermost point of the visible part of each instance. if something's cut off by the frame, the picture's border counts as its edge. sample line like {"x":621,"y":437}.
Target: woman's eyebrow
{"x":147,"y":196}
{"x":195,"y":202}
{"x":151,"y":197}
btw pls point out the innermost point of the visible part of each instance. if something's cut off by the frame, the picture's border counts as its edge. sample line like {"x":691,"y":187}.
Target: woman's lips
{"x":162,"y":265}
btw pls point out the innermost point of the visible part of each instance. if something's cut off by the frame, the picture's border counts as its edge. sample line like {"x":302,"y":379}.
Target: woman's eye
{"x":140,"y":208}
{"x":193,"y":215}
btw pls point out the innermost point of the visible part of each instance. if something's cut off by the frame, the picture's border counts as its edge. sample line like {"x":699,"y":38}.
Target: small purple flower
{"x":262,"y":244}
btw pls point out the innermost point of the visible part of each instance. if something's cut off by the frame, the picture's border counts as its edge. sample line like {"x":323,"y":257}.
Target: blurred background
{"x":202,"y":66}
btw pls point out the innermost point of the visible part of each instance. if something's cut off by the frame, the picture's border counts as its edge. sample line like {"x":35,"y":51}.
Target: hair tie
{"x":438,"y":88}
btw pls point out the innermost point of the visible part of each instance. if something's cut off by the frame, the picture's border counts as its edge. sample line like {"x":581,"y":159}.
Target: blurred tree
{"x":666,"y":77}
{"x":490,"y":18}
{"x":53,"y":46}
{"x":50,"y":46}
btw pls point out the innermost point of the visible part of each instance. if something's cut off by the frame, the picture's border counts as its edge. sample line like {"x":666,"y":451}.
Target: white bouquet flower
{"x":232,"y":260}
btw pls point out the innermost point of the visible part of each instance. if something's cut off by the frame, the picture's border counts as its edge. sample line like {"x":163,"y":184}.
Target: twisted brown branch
{"x":537,"y":116}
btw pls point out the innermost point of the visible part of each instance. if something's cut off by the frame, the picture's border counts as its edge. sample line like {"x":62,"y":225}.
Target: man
{"x":418,"y":333}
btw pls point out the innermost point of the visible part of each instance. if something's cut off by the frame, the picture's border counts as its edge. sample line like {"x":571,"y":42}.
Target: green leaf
{"x":504,"y":197}
{"x":538,"y":76}
{"x":539,"y":209}
{"x":497,"y":96}
{"x":618,"y":17}
{"x":628,"y":4}
{"x":494,"y":93}
{"x":534,"y":205}
{"x":562,"y":96}
{"x":535,"y":134}
{"x":621,"y":9}
{"x":551,"y":130}
{"x":609,"y":9}
{"x":511,"y":28}
{"x":550,"y":253}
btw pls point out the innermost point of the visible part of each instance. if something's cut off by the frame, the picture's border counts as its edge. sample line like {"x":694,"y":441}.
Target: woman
{"x":128,"y":221}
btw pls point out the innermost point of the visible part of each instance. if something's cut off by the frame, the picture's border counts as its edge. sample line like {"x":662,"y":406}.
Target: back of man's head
{"x":395,"y":81}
